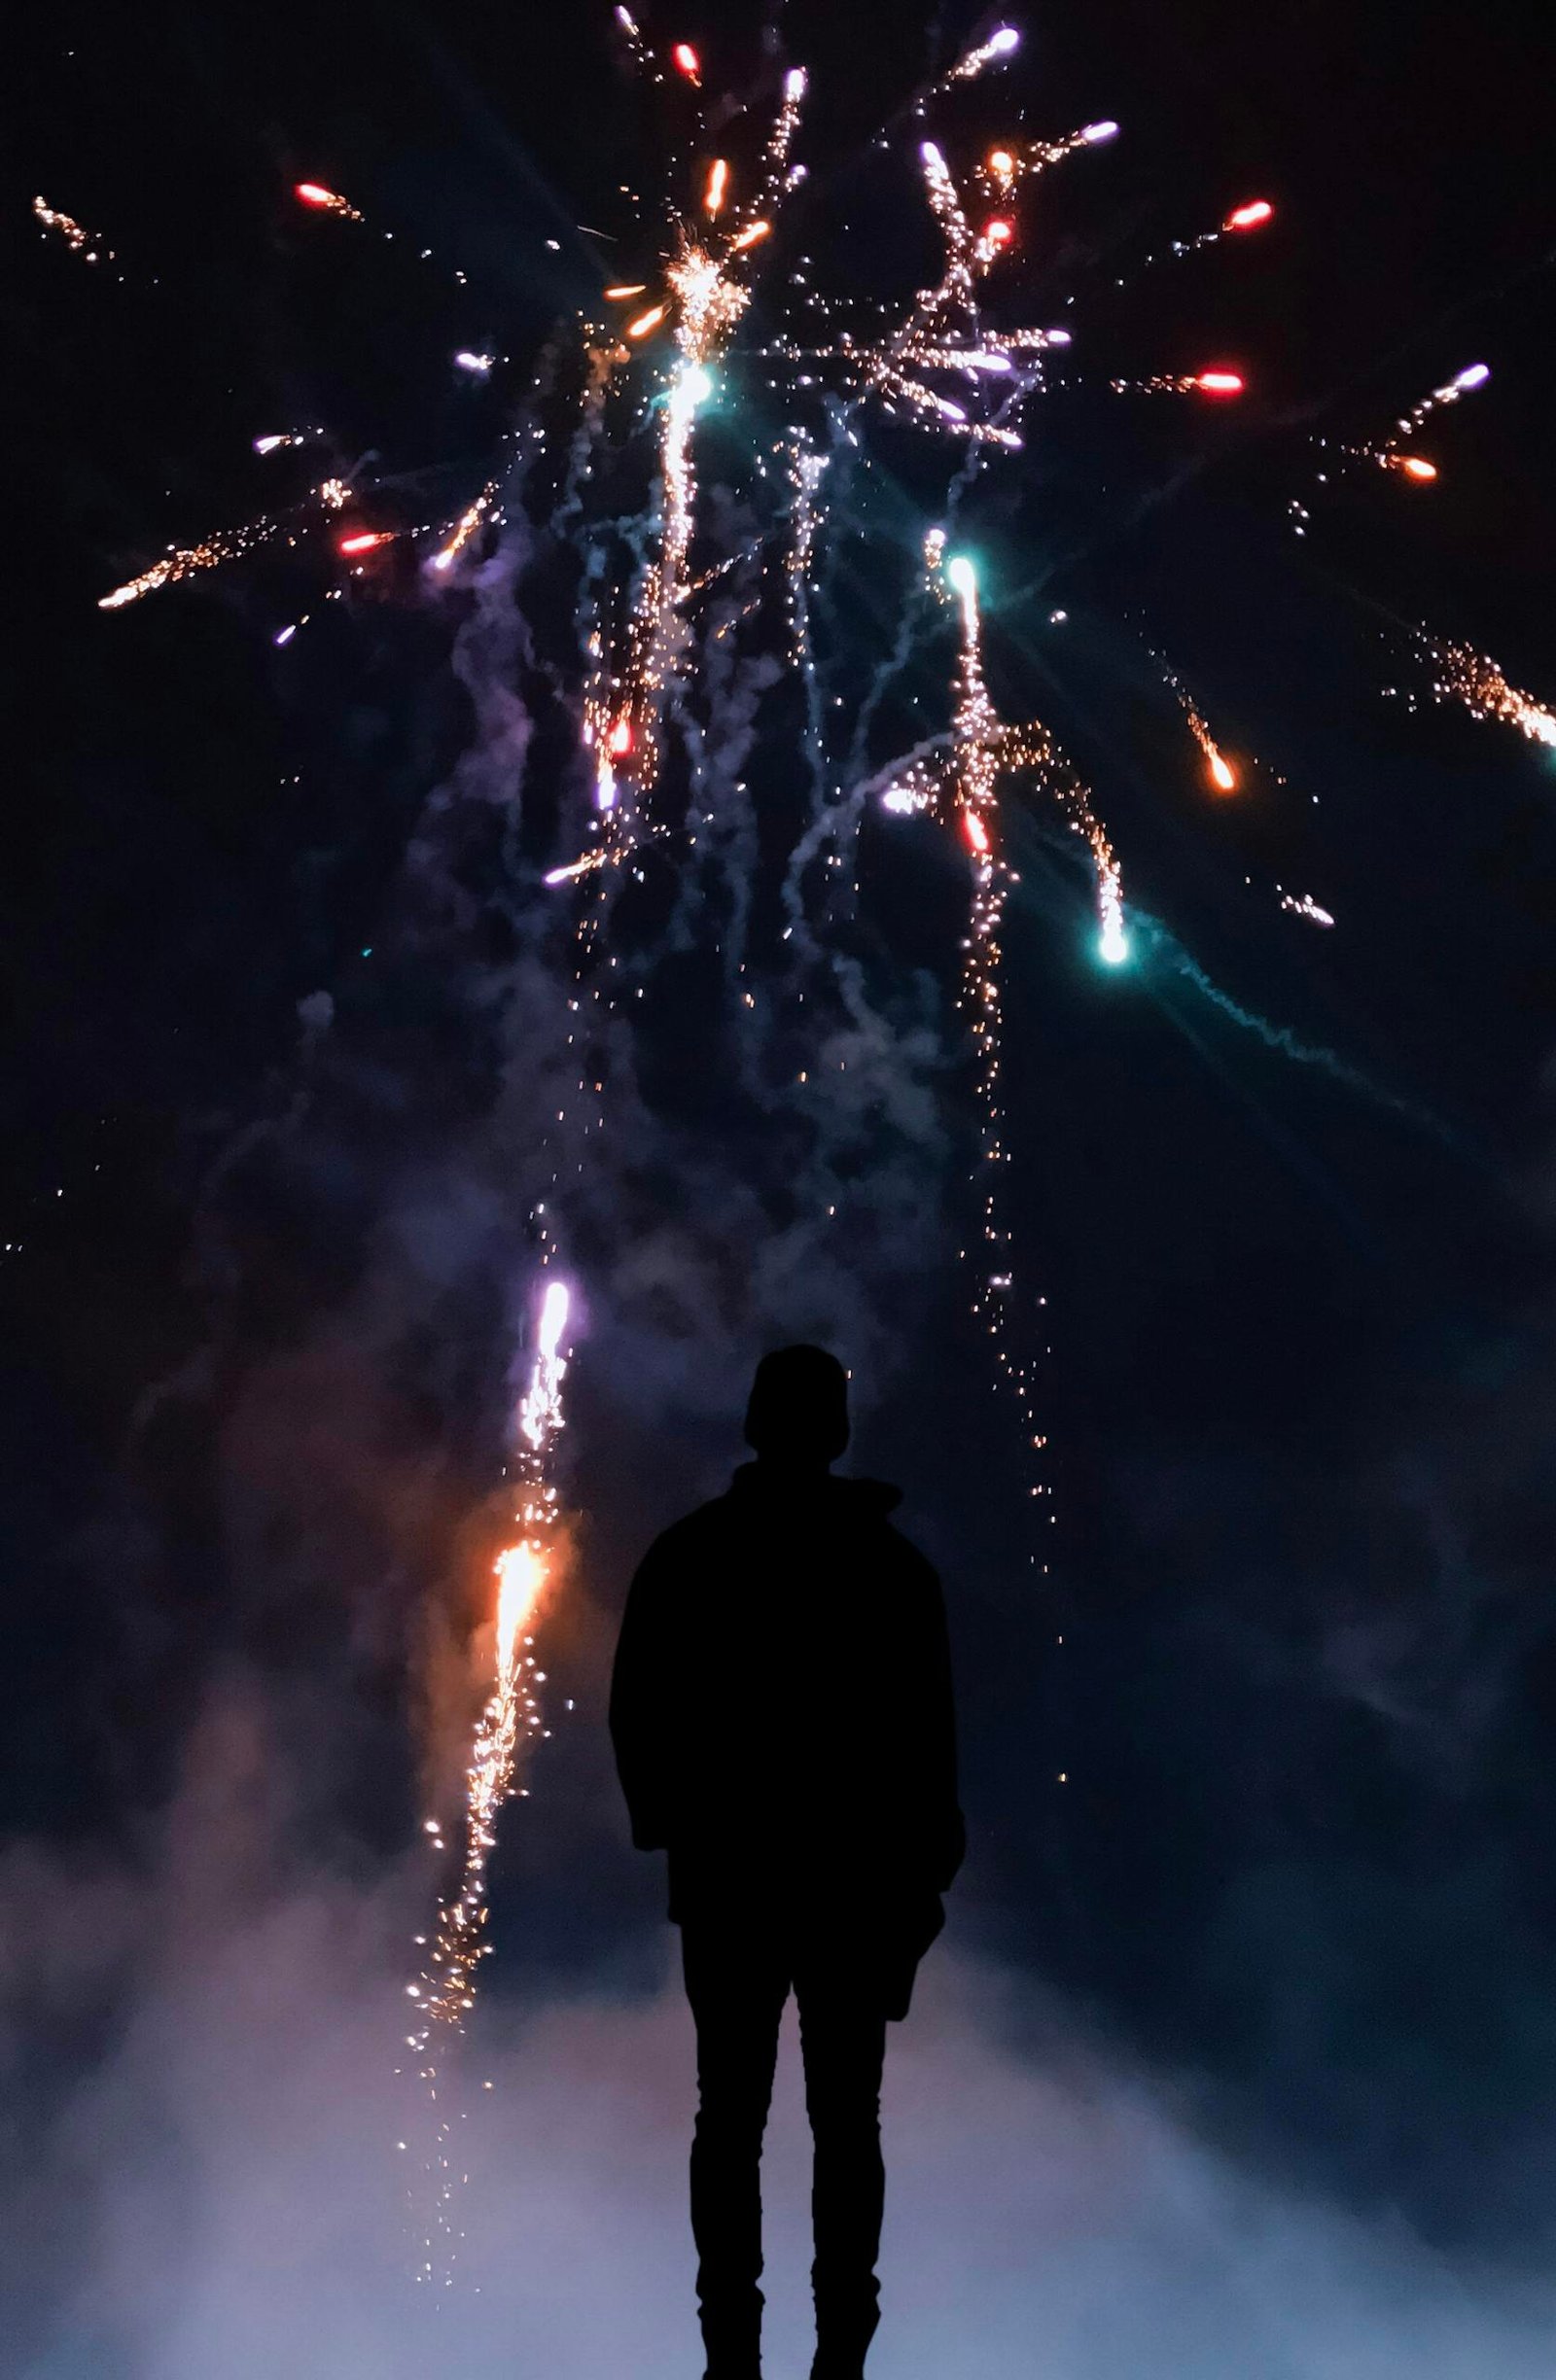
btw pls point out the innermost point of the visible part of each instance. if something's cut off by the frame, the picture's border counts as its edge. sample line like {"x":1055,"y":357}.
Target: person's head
{"x":799,"y":1408}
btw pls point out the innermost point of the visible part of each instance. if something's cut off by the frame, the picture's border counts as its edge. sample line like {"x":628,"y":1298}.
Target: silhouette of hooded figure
{"x":782,"y":1716}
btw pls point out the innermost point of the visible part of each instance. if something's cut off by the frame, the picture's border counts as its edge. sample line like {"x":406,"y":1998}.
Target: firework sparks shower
{"x":444,"y":1991}
{"x":669,"y":344}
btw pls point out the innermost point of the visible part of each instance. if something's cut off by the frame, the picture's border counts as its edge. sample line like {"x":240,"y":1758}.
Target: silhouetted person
{"x":782,"y":1717}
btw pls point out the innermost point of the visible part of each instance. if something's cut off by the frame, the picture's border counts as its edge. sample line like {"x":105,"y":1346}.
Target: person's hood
{"x":853,"y":1500}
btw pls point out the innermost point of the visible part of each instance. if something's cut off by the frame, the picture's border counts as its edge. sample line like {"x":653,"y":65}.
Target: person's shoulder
{"x":873,"y":1508}
{"x":690,"y":1534}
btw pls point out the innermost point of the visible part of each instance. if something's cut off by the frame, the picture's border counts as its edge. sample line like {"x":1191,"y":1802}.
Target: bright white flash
{"x":554,"y":1318}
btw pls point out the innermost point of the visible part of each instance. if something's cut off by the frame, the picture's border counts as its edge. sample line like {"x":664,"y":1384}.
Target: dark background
{"x":1300,"y":1389}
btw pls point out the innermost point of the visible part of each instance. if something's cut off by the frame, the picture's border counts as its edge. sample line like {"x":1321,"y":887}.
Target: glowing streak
{"x":364,"y":540}
{"x":1411,"y":466}
{"x":627,"y":288}
{"x":1473,"y":376}
{"x":647,"y":322}
{"x":621,"y":737}
{"x":1001,"y":44}
{"x":447,"y":1988}
{"x":329,"y":201}
{"x":465,"y":529}
{"x":1475,"y":680}
{"x":1219,"y":383}
{"x":1247,"y":218}
{"x":78,"y":239}
{"x":1093,"y":133}
{"x":469,"y":361}
{"x":1112,"y":943}
{"x":580,"y":867}
{"x":186,"y":561}
{"x":685,"y":61}
{"x":749,"y":237}
{"x":713,"y":197}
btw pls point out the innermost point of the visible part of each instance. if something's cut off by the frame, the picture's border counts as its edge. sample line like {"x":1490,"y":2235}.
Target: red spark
{"x":1249,"y":218}
{"x":363,"y":540}
{"x":1219,"y":383}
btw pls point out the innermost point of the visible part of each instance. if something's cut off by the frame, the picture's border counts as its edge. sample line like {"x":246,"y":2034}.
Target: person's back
{"x":782,"y":1717}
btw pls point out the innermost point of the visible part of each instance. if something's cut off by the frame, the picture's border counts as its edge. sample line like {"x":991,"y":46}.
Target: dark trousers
{"x":737,"y":1982}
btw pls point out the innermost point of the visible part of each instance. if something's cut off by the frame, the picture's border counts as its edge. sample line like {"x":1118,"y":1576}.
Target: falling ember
{"x":76,"y":239}
{"x":1001,"y":44}
{"x":713,"y":197}
{"x":749,"y":237}
{"x":465,"y":529}
{"x":1410,"y":467}
{"x":621,"y":737}
{"x":1219,"y":384}
{"x":186,"y":561}
{"x":1303,"y":906}
{"x":580,"y":867}
{"x":977,"y":833}
{"x":1000,"y":232}
{"x":1249,"y":218}
{"x":329,"y":201}
{"x":1475,"y":680}
{"x":364,"y":540}
{"x":627,"y":288}
{"x":686,"y":61}
{"x":647,"y":322}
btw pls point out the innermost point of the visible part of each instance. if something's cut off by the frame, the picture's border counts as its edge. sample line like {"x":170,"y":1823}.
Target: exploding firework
{"x":670,"y":350}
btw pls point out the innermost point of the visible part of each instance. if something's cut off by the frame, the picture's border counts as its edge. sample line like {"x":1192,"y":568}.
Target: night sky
{"x":1239,"y":2056}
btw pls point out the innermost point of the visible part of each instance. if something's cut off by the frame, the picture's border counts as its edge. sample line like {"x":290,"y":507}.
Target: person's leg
{"x":738,"y":1987}
{"x":843,"y":2031}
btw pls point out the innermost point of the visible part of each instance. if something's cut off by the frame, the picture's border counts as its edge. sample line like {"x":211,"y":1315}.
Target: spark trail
{"x":444,"y":1991}
{"x":1474,"y":681}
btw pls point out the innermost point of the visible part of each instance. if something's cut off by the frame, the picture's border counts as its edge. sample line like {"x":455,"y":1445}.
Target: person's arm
{"x":640,"y":1694}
